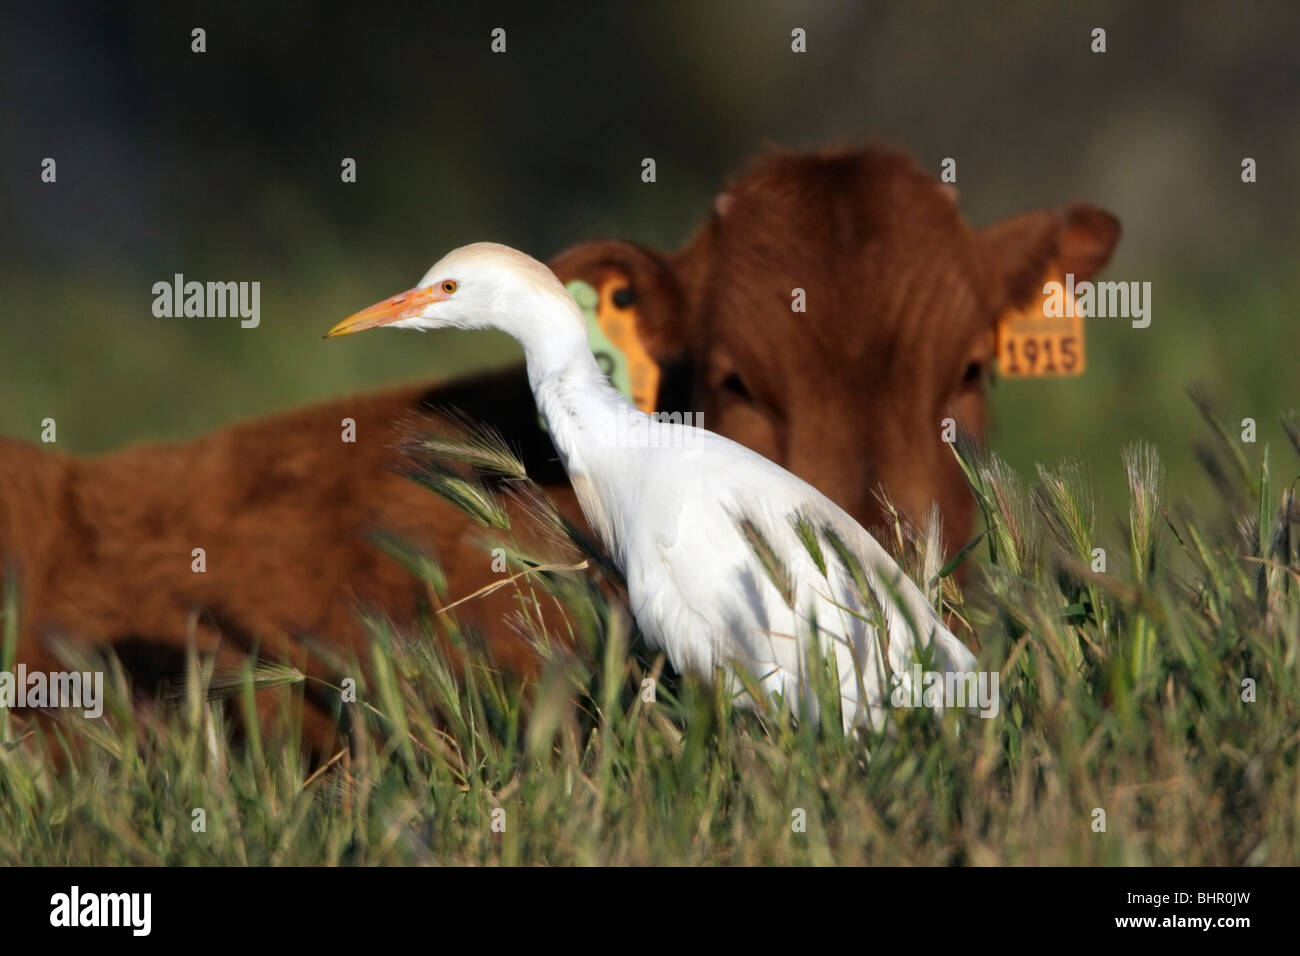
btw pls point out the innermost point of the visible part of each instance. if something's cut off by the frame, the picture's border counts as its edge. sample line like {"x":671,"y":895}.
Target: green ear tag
{"x":611,"y":359}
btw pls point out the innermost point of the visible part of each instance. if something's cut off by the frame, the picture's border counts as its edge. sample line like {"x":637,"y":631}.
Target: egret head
{"x":479,"y":286}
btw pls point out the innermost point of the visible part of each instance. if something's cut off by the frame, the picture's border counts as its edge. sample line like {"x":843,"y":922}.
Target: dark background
{"x":225,"y":166}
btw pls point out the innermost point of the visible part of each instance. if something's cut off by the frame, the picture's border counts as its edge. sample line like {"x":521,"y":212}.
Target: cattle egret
{"x":665,"y":500}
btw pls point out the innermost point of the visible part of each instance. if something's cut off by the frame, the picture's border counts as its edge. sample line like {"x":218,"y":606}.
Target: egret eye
{"x":449,"y":286}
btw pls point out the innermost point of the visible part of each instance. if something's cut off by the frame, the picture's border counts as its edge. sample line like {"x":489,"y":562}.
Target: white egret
{"x":665,"y":497}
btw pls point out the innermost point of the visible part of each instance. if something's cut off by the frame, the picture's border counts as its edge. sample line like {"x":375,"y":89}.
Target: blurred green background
{"x":225,"y":166}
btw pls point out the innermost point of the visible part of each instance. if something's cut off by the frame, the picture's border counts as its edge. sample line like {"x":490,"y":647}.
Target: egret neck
{"x":581,"y":409}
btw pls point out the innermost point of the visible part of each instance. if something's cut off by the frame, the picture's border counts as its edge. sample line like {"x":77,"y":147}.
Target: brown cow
{"x":901,"y":298}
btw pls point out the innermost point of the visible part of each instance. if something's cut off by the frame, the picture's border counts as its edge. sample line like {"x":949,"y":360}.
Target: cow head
{"x":834,"y":310}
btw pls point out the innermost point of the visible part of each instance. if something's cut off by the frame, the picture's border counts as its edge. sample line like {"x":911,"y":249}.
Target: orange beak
{"x":404,"y":306}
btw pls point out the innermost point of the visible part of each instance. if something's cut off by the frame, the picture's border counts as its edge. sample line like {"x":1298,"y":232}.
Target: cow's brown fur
{"x":901,"y":297}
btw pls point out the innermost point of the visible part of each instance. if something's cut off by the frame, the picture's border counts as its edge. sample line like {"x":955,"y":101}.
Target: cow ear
{"x":1039,"y":247}
{"x":644,"y":281}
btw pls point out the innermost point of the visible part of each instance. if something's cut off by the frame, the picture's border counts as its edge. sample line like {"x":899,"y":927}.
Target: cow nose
{"x":842,"y":478}
{"x":856,"y":458}
{"x":916,"y":486}
{"x":908,"y":482}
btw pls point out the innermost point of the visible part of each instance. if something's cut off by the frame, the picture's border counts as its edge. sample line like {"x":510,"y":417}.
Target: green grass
{"x":1121,"y":691}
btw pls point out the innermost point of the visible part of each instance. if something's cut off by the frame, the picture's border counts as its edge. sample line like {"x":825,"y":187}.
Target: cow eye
{"x":974,"y":372}
{"x":735,"y":386}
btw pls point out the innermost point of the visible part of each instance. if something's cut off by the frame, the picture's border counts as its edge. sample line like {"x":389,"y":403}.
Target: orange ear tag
{"x":619,"y":328}
{"x":1043,"y":340}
